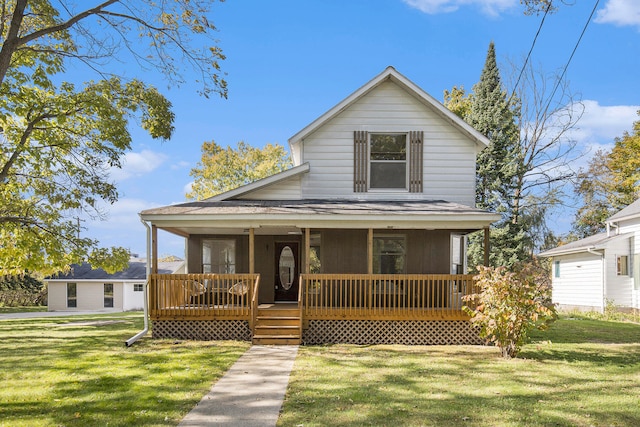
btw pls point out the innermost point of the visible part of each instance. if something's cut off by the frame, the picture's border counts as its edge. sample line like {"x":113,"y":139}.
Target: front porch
{"x":330,"y":308}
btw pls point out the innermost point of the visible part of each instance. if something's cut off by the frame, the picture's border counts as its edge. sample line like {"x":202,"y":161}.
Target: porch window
{"x":72,"y":295}
{"x":457,"y":250}
{"x":389,"y":254}
{"x":314,"y":254}
{"x":108,"y":295}
{"x":623,"y":265}
{"x":388,"y":161}
{"x":219,"y":256}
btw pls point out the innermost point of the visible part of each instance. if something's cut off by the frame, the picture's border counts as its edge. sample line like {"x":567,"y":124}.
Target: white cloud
{"x":137,"y":164}
{"x":600,"y":124}
{"x":181,"y":165}
{"x":620,"y":13}
{"x":188,"y":188}
{"x":489,"y":7}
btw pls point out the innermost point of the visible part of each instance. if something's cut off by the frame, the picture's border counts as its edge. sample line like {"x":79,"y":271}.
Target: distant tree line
{"x":22,"y":291}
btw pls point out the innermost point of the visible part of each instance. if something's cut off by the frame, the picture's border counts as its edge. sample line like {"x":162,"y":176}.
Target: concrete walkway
{"x":251,"y":393}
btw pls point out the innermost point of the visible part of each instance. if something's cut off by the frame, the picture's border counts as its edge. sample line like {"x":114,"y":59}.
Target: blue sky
{"x":288,"y":61}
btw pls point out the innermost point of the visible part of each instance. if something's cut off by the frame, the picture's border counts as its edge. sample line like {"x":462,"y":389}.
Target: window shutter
{"x":415,"y":158}
{"x":360,"y":161}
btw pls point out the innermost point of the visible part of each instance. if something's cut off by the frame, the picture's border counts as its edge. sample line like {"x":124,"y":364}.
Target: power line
{"x":564,"y":71}
{"x":531,"y":50}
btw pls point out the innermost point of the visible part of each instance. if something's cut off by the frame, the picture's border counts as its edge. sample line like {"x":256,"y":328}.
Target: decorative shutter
{"x":415,"y":161}
{"x":360,"y":157}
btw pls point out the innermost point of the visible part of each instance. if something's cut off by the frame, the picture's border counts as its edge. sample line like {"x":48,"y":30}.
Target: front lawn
{"x":583,"y":372}
{"x":76,"y":371}
{"x":30,"y":309}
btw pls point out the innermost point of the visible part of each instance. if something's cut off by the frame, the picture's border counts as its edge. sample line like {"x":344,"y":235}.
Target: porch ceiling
{"x":289,"y":216}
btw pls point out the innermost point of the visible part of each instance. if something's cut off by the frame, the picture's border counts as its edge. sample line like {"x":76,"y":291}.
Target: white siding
{"x":580,"y":281}
{"x":618,"y":289}
{"x":289,"y":189}
{"x":57,"y":296}
{"x":449,"y":156}
{"x":132,"y":300}
{"x":89,"y":296}
{"x":629,"y":226}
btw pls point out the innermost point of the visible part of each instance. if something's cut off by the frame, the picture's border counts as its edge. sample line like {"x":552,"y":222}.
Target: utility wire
{"x":571,"y":57}
{"x":530,"y":50}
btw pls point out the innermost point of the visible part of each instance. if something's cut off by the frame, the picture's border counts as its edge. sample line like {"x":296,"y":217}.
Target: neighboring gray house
{"x":87,"y":289}
{"x":605,"y":267}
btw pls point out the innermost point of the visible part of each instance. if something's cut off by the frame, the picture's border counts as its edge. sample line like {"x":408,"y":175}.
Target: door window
{"x":286,"y":267}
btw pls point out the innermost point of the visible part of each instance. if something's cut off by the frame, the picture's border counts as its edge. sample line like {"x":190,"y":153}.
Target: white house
{"x":589,"y":273}
{"x":86,"y":289}
{"x":381,"y":197}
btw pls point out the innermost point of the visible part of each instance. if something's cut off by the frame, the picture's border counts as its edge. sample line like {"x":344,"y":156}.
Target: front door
{"x":287,"y":271}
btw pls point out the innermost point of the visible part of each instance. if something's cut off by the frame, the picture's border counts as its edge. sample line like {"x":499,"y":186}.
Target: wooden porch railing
{"x":377,"y":296}
{"x":202,"y":296}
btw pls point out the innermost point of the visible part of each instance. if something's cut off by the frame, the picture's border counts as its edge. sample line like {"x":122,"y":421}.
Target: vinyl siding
{"x":580,"y":281}
{"x":289,"y":189}
{"x":618,"y":288}
{"x":449,"y":157}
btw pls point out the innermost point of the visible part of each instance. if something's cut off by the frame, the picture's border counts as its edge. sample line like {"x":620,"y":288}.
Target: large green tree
{"x":225,"y":168}
{"x":524,"y":171}
{"x":490,"y":111}
{"x":59,"y":138}
{"x":610,"y":182}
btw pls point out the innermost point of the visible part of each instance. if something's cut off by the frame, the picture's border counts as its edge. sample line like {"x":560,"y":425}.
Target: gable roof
{"x":137,"y":271}
{"x":261,"y":183}
{"x":390,"y":73}
{"x":595,"y":242}
{"x":630,"y":212}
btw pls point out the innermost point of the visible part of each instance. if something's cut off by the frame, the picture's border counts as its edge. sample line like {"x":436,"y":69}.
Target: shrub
{"x":510,"y":303}
{"x":22,"y":291}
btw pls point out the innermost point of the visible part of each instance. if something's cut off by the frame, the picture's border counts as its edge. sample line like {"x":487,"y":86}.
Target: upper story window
{"x":388,"y":161}
{"x":219,"y":256}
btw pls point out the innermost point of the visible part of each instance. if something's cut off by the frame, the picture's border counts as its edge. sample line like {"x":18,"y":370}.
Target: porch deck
{"x":358,"y":308}
{"x":321,"y":297}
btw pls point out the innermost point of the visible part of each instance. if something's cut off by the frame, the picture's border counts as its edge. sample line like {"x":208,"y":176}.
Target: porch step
{"x":277,"y":326}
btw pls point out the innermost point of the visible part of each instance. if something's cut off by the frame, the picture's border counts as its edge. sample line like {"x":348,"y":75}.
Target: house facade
{"x":86,"y":289}
{"x":604,"y":268}
{"x":363,"y":239}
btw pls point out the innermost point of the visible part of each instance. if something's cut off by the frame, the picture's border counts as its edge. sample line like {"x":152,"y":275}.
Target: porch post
{"x":252,"y":255}
{"x":486,"y":246}
{"x":307,"y":250}
{"x":370,"y":251}
{"x":154,"y":249}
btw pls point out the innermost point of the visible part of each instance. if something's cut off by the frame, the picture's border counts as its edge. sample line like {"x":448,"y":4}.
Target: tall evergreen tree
{"x":493,"y":114}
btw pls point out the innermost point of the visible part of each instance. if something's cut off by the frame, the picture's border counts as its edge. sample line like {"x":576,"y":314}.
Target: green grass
{"x":582,"y":372}
{"x":31,"y":309}
{"x":57,"y":372}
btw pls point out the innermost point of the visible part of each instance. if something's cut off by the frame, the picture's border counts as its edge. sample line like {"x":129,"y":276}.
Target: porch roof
{"x":289,"y":215}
